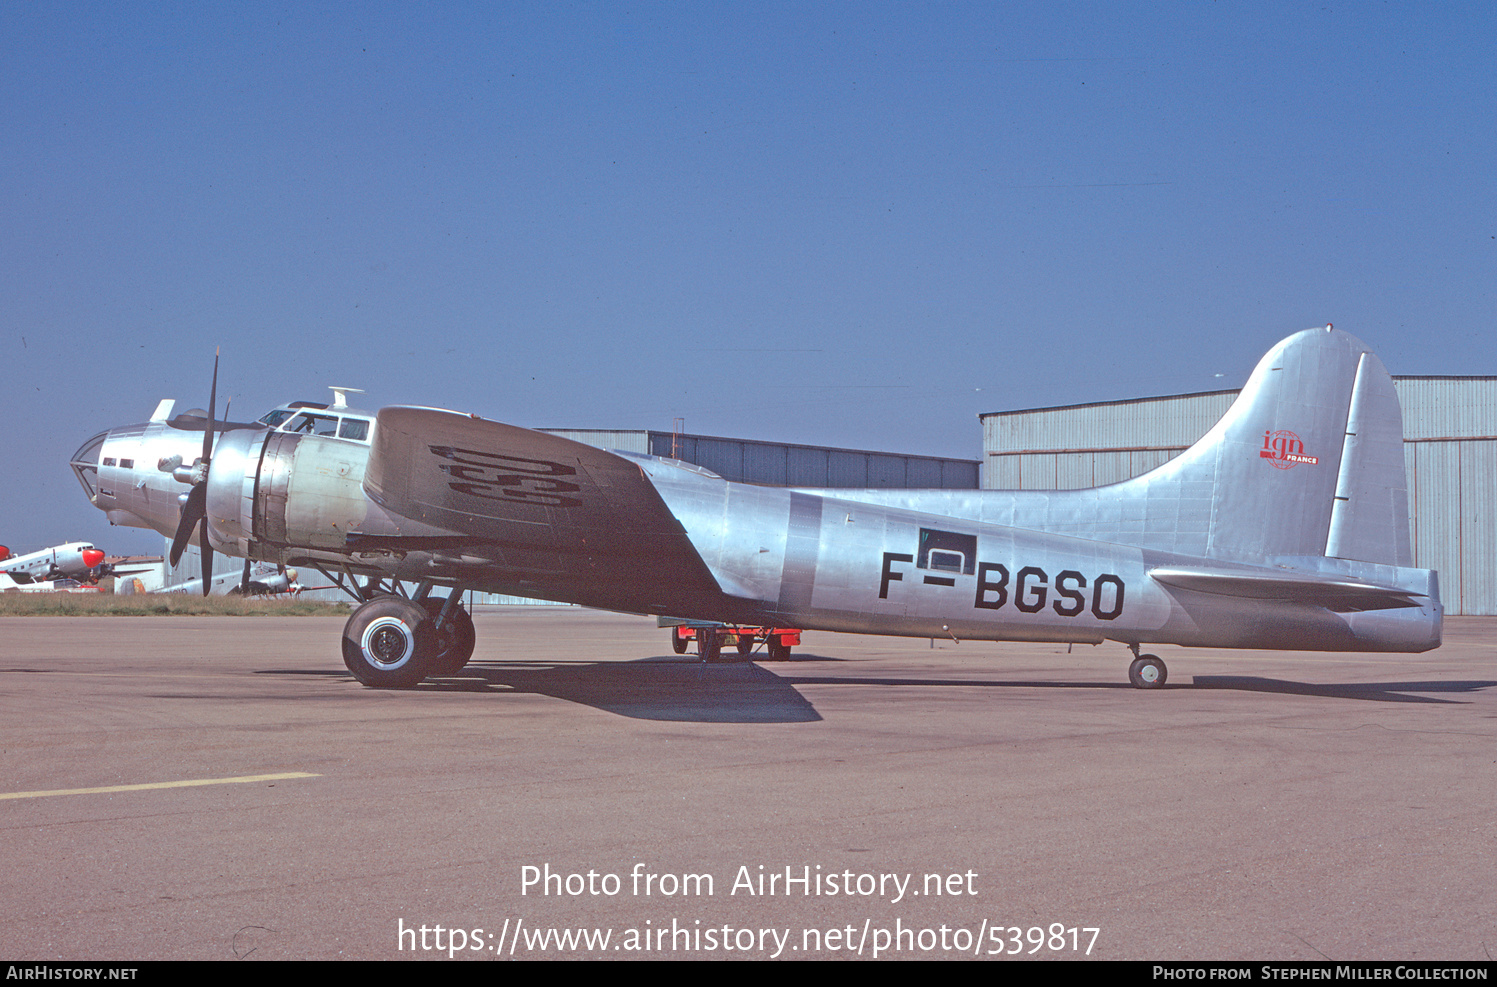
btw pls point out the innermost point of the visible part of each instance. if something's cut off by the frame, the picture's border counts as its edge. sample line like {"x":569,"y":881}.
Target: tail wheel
{"x":455,"y":641}
{"x":388,"y":643}
{"x":1147,"y":672}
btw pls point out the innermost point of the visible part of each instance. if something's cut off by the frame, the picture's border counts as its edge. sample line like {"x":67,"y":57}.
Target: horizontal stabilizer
{"x":1335,"y":593}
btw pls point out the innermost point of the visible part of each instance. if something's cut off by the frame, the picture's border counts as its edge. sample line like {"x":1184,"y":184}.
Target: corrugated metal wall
{"x":1450,"y":456}
{"x":783,"y":464}
{"x":1173,"y":422}
{"x":786,"y":465}
{"x":605,"y":438}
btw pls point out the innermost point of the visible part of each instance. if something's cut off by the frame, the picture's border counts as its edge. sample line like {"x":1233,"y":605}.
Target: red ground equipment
{"x":712,"y":638}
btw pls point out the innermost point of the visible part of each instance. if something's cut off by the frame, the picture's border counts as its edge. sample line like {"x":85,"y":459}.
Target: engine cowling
{"x":269,"y":492}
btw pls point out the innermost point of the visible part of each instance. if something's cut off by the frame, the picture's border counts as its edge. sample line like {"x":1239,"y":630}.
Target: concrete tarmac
{"x":935,"y":801}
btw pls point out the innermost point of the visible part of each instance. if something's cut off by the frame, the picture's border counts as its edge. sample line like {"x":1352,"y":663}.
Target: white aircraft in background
{"x":76,"y":560}
{"x":258,"y":579}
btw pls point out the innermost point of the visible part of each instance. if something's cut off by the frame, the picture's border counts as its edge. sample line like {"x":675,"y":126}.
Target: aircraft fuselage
{"x":1285,"y":527}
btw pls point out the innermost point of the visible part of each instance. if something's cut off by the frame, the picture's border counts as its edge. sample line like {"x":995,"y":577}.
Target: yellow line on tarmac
{"x":240,"y":780}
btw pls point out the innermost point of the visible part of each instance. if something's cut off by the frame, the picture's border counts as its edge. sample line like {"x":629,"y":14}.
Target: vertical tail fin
{"x":1307,"y":461}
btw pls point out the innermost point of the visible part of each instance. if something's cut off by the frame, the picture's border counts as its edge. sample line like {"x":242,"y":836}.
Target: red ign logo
{"x":1284,"y":450}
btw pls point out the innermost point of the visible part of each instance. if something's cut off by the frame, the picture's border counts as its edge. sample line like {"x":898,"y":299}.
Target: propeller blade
{"x":207,"y":552}
{"x":212,"y":403}
{"x":195,"y":510}
{"x":244,"y":579}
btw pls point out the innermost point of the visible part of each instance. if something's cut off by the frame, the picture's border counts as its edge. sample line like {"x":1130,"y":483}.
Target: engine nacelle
{"x":273,"y":491}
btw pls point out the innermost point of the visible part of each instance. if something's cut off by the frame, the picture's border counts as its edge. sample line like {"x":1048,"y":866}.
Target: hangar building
{"x":784,"y":464}
{"x":1450,"y":460}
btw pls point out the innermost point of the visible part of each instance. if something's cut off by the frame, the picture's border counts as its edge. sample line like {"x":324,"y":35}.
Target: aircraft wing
{"x":541,"y":512}
{"x":129,"y":569}
{"x":1336,"y":593}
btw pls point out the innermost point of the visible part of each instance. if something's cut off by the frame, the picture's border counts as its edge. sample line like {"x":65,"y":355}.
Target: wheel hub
{"x":388,"y":643}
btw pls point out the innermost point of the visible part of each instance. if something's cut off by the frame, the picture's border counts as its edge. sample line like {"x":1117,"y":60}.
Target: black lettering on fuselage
{"x":1107,"y":579}
{"x":984,"y":586}
{"x":889,"y":575}
{"x":1078,"y":602}
{"x":1031,"y":589}
{"x":1022,"y":587}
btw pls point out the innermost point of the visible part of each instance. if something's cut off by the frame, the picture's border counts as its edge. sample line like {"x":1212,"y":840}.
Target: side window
{"x":311,"y":424}
{"x":354,"y":428}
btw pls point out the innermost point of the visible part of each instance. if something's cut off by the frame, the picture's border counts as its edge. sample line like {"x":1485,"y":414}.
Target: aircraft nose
{"x":92,"y":557}
{"x":85,"y":463}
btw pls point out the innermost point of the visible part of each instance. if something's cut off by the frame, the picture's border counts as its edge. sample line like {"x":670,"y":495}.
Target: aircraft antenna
{"x":340,"y":395}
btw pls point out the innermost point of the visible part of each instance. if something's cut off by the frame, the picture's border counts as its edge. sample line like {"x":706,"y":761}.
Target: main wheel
{"x":1147,"y":672}
{"x":678,"y":643}
{"x":778,"y":649}
{"x":455,"y":640}
{"x":745,"y":645}
{"x":388,"y":643}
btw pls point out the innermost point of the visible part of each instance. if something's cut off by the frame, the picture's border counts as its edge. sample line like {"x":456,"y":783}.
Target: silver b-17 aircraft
{"x":1285,"y":527}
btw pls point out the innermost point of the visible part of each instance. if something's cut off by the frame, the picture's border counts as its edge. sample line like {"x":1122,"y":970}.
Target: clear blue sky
{"x":847,"y":224}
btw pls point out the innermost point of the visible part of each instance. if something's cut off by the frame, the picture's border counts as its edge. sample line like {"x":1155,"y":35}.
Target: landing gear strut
{"x":455,"y":637}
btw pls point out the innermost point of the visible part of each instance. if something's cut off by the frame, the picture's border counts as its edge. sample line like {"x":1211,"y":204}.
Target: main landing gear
{"x":1147,"y":671}
{"x":393,"y":643}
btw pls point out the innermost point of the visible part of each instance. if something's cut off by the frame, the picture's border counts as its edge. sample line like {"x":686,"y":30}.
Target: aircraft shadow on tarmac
{"x":686,"y":690}
{"x":664,"y":688}
{"x":1383,"y":692}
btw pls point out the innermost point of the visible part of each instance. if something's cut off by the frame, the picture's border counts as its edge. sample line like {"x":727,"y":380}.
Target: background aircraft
{"x":76,"y":560}
{"x":248,"y":579}
{"x":1284,"y":527}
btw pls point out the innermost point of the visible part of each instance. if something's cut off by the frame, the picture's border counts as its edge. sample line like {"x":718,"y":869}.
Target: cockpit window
{"x":311,"y":424}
